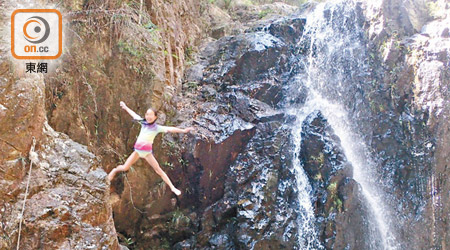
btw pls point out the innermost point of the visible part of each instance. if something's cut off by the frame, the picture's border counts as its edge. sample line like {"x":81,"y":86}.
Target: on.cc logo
{"x":36,"y":34}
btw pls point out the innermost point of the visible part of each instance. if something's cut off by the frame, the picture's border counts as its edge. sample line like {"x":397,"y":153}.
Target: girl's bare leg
{"x":154,"y":163}
{"x":130,"y":161}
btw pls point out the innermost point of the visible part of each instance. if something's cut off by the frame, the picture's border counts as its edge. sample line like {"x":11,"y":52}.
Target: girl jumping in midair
{"x":143,"y":145}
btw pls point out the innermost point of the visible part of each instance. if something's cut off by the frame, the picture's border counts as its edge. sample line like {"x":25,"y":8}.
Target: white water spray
{"x":327,"y":76}
{"x":308,"y":238}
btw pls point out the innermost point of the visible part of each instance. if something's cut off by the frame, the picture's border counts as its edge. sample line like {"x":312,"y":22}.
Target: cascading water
{"x":335,"y":66}
{"x":308,"y":238}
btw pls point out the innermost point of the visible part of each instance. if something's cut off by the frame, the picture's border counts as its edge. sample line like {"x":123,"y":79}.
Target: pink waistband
{"x":143,"y":146}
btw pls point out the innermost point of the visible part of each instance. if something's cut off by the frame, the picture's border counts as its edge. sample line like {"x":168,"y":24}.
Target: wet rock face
{"x":336,"y":197}
{"x":255,"y":62}
{"x":215,"y":160}
{"x":246,"y":73}
{"x":431,"y":84}
{"x":410,"y":138}
{"x":396,"y":98}
{"x":398,"y":122}
{"x":230,"y":199}
{"x":257,"y":209}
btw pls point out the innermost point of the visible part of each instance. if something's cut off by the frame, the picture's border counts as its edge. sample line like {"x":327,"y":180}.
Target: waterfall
{"x":335,"y":66}
{"x":308,"y":238}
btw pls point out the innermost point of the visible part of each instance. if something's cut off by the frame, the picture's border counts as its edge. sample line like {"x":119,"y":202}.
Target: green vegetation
{"x":168,"y":164}
{"x":248,"y":2}
{"x":165,"y":244}
{"x":128,"y":47}
{"x":264,"y":13}
{"x":171,"y":113}
{"x":436,"y":9}
{"x":291,"y":2}
{"x":150,"y":26}
{"x":320,"y":159}
{"x":211,"y":98}
{"x":173,"y":150}
{"x":171,"y":145}
{"x":179,"y":218}
{"x":337,"y":202}
{"x":228,"y":4}
{"x":192,"y":86}
{"x":183,"y":162}
{"x":332,"y":188}
{"x":189,"y":56}
{"x":129,"y":241}
{"x":373,"y":106}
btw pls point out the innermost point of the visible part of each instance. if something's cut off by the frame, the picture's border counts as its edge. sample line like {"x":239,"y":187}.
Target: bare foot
{"x":112,"y":173}
{"x":176,"y":191}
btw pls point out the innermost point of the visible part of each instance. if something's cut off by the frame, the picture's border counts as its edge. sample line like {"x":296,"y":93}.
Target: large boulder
{"x":67,"y":201}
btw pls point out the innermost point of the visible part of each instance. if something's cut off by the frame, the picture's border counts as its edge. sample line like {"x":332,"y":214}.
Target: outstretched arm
{"x":179,"y":130}
{"x":131,"y":112}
